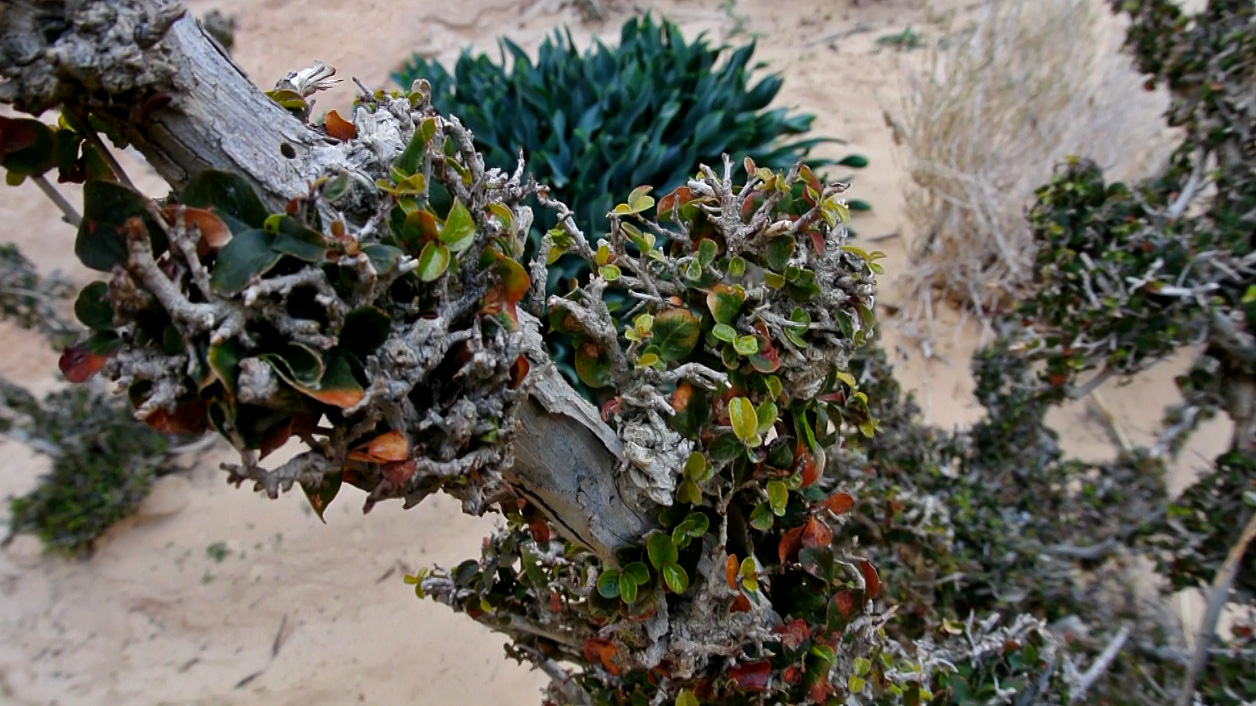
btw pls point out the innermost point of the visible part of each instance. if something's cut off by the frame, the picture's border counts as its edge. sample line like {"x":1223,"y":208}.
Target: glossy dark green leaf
{"x":458,"y":233}
{"x":230,"y":196}
{"x":320,"y":496}
{"x":249,"y":254}
{"x":101,"y":240}
{"x":593,"y":365}
{"x":661,"y":549}
{"x":92,"y":307}
{"x":292,"y":237}
{"x":675,"y":334}
{"x":365,"y":329}
{"x":675,"y":577}
{"x":608,"y":584}
{"x":384,"y":258}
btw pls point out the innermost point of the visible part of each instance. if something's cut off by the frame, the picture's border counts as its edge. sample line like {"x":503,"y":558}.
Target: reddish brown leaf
{"x":398,"y":473}
{"x":681,"y":397}
{"x":821,"y":691}
{"x":519,"y":371}
{"x":790,"y":544}
{"x":611,"y":408}
{"x":817,"y":240}
{"x":794,"y":633}
{"x":839,"y":503}
{"x":79,"y":364}
{"x":805,"y":464}
{"x":679,"y":197}
{"x":190,"y":417}
{"x":555,"y":603}
{"x":15,"y":135}
{"x":599,"y":650}
{"x":731,"y":568}
{"x":816,"y":534}
{"x":389,"y":447}
{"x":214,"y":233}
{"x":793,"y":675}
{"x":741,"y":604}
{"x":338,"y":127}
{"x":539,"y":529}
{"x":154,"y":103}
{"x":751,"y":676}
{"x":872,"y":582}
{"x":846,"y":605}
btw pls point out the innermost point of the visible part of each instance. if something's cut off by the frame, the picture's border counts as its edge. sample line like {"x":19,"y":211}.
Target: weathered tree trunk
{"x":150,"y":71}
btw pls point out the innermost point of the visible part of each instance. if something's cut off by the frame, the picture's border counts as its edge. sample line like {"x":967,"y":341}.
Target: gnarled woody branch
{"x":151,"y":73}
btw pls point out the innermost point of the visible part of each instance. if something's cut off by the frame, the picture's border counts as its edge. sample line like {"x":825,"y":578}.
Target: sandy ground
{"x":297,"y":612}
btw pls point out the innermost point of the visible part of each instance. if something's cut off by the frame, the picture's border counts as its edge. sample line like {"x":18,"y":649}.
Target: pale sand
{"x":153,"y":619}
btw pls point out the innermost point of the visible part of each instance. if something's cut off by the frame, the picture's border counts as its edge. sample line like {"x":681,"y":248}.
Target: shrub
{"x":103,"y":461}
{"x":601,"y":123}
{"x":103,"y":464}
{"x":982,"y":122}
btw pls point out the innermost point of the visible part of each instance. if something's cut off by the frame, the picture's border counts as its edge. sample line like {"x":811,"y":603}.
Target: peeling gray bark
{"x":151,"y":71}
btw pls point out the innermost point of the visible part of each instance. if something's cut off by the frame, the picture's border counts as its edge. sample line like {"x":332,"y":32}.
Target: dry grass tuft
{"x":984,"y":120}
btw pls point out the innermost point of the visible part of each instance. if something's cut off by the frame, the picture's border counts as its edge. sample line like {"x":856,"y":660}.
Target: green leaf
{"x":696,"y":467}
{"x":749,"y":574}
{"x":224,"y":361}
{"x":780,"y":249}
{"x":292,"y":237}
{"x":767,"y":415}
{"x":247,"y":255}
{"x":384,"y":258}
{"x":608,"y":584}
{"x":458,"y":233}
{"x":92,"y":307}
{"x":365,"y":329}
{"x":628,"y":588}
{"x":689,"y":492}
{"x":230,"y":196}
{"x":638,"y":201}
{"x":725,"y":333}
{"x":410,"y":159}
{"x":639,"y":572}
{"x":321,"y":496}
{"x":707,"y":251}
{"x":675,"y":577}
{"x":725,"y":303}
{"x":701,"y":525}
{"x":855,"y":161}
{"x":27,"y":146}
{"x":761,"y":517}
{"x":744,"y":420}
{"x":433,"y":262}
{"x":746,"y":345}
{"x":335,"y":385}
{"x":686,"y":698}
{"x":675,"y":333}
{"x":610,"y":273}
{"x":737,"y":267}
{"x":101,"y":240}
{"x":778,"y":497}
{"x":661,"y":549}
{"x":593,"y":365}
{"x":862,"y":666}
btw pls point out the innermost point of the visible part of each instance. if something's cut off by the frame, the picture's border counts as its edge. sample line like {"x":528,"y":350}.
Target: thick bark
{"x":151,"y":71}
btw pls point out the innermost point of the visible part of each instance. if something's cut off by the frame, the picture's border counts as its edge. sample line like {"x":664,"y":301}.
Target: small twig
{"x":1109,"y":418}
{"x":1079,"y":392}
{"x":71,"y":216}
{"x":94,"y":140}
{"x":1100,"y":665}
{"x":1216,"y":601}
{"x":1178,"y":207}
